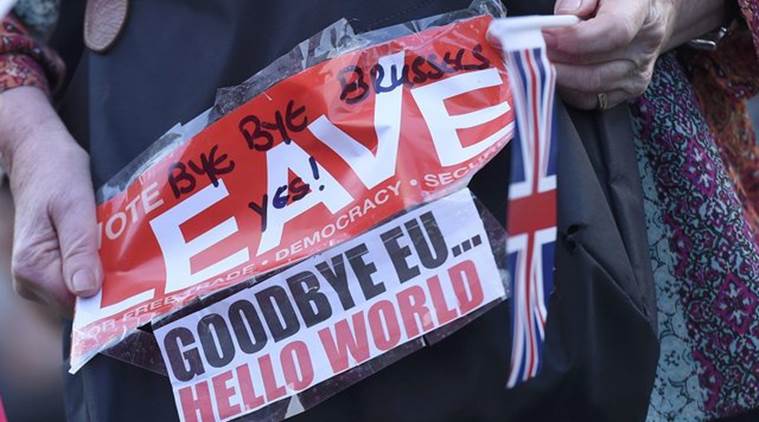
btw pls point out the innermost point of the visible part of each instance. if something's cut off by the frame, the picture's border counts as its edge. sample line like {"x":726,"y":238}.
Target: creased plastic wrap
{"x":340,"y":135}
{"x":290,"y":341}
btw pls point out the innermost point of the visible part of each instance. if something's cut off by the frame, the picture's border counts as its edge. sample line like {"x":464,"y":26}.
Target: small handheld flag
{"x":532,"y":193}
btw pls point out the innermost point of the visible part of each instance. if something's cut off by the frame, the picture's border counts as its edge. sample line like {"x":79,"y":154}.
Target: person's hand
{"x":609,"y":57}
{"x":612,"y":53}
{"x":55,"y":232}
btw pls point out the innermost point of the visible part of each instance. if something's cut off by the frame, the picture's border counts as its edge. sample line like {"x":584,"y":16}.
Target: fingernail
{"x":567,"y":6}
{"x":83,"y":281}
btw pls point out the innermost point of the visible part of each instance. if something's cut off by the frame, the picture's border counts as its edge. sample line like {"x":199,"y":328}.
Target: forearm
{"x":693,"y":18}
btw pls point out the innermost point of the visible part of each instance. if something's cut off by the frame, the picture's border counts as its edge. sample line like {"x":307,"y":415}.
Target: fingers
{"x":62,"y":304}
{"x":608,"y":54}
{"x":36,"y":260}
{"x":596,"y":40}
{"x":73,"y":216}
{"x":588,"y":101}
{"x":579,"y":8}
{"x":77,"y":234}
{"x":55,"y":232}
{"x":621,"y":75}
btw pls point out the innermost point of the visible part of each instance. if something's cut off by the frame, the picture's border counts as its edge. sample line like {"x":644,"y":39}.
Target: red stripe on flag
{"x":530,"y":305}
{"x":535,"y":120}
{"x":532,"y":213}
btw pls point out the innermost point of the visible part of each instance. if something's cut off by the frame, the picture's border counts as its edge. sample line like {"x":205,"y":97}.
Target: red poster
{"x":314,"y":160}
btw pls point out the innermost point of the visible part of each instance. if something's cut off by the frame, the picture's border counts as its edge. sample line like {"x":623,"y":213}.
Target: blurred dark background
{"x":30,"y":346}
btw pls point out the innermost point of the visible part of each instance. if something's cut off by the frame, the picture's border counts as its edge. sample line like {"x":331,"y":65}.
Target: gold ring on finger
{"x":603,"y":101}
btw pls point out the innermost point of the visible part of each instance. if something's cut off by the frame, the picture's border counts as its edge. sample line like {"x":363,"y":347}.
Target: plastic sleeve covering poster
{"x":331,"y":313}
{"x":334,"y":200}
{"x":314,"y":160}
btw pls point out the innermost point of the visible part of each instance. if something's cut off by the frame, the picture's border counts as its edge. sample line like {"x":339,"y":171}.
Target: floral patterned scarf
{"x":699,"y":175}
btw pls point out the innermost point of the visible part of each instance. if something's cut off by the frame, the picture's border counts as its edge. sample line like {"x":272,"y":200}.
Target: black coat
{"x":601,"y":350}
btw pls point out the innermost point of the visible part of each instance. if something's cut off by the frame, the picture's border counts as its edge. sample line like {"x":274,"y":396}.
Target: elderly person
{"x":695,"y":155}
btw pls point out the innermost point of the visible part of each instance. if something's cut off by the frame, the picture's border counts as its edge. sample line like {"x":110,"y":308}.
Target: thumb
{"x":579,"y":8}
{"x":77,"y":237}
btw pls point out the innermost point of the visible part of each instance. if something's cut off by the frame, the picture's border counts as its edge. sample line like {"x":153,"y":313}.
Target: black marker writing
{"x":294,"y":191}
{"x":355,"y":88}
{"x":261,"y":135}
{"x":183,"y":181}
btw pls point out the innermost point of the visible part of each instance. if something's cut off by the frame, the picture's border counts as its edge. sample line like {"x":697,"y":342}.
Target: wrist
{"x":25,"y":112}
{"x":671,"y":11}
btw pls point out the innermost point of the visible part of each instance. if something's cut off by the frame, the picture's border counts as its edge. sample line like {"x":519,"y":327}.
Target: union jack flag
{"x":532,"y":207}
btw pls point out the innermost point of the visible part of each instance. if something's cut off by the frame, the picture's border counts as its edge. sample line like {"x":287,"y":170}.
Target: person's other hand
{"x":613,"y":52}
{"x":55,"y":232}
